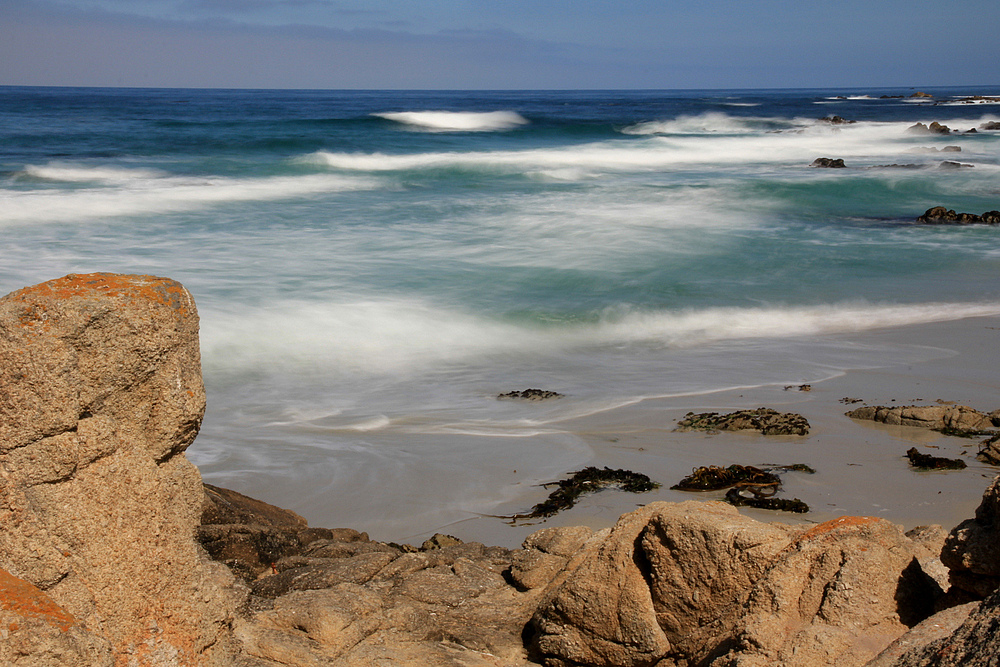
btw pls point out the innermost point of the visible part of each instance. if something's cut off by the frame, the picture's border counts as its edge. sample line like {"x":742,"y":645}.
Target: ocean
{"x":372,"y":268}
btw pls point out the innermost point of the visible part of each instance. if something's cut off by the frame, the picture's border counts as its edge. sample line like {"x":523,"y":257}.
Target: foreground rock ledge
{"x":100,"y":562}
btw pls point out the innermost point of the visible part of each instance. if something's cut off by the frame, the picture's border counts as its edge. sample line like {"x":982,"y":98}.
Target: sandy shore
{"x":860,"y":465}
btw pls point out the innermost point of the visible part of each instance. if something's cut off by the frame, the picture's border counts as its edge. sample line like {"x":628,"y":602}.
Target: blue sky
{"x":470,"y":44}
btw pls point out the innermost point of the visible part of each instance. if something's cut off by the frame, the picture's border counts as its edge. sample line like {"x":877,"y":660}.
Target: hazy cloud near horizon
{"x":498,"y":44}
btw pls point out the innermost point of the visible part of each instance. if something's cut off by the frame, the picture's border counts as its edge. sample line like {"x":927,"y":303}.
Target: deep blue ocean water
{"x":373,"y":268}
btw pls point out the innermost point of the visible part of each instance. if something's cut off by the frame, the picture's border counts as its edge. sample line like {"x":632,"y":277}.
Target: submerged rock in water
{"x":828,"y":163}
{"x":530,"y":395}
{"x":837,"y":120}
{"x":765,"y":420}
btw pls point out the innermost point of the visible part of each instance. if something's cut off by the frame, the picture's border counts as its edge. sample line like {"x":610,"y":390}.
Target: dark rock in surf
{"x":894,"y":165}
{"x":837,"y":120}
{"x":934,"y":128}
{"x":530,"y":395}
{"x":939,"y":215}
{"x":920,"y":93}
{"x":990,"y":125}
{"x":828,"y":163}
{"x":948,"y":165}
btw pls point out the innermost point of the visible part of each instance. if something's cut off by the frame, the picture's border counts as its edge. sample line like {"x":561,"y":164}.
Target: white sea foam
{"x":708,"y":139}
{"x":376,"y":337}
{"x":710,"y":122}
{"x":152,"y":193}
{"x":457,"y":121}
{"x":69,"y":173}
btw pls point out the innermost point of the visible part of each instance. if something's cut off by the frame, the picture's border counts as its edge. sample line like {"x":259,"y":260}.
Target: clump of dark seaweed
{"x":711,"y":478}
{"x":927,"y":462}
{"x":530,"y":395}
{"x":765,"y":420}
{"x":735,"y":496}
{"x":760,"y":483}
{"x":588,"y":480}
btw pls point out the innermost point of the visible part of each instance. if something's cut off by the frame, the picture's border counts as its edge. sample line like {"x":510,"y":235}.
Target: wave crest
{"x":456,"y":121}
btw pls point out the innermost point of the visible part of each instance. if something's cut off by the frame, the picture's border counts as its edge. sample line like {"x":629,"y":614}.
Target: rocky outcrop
{"x":102,"y":393}
{"x":990,"y":125}
{"x":765,"y":420}
{"x":964,"y":634}
{"x":697,"y":583}
{"x":362,"y":602}
{"x":938,"y":417}
{"x":975,"y":641}
{"x":972,"y":550}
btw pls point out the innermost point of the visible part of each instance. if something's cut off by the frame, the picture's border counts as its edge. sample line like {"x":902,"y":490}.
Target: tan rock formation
{"x":972,"y":550}
{"x":101,"y":393}
{"x":957,"y":417}
{"x":36,"y":631}
{"x":699,"y":583}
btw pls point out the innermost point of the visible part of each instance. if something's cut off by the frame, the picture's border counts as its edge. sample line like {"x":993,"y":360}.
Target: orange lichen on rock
{"x":828,"y":527}
{"x":27,"y":600}
{"x":104,"y":285}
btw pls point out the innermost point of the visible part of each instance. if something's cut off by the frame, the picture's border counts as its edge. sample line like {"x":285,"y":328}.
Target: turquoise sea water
{"x":373,"y":268}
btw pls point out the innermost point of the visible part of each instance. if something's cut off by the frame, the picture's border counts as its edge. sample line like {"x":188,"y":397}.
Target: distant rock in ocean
{"x":939,"y":215}
{"x":934,"y":128}
{"x":828,"y":163}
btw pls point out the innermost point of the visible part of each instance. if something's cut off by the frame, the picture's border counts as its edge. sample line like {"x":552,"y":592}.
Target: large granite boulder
{"x":697,"y":583}
{"x":100,"y":393}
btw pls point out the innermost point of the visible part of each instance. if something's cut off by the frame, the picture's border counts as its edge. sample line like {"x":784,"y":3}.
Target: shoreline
{"x":861,"y":469}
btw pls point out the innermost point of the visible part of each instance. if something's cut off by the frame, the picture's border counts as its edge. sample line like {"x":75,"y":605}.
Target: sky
{"x":499,"y":44}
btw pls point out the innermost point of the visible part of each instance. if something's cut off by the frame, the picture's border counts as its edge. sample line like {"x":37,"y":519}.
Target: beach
{"x":861,"y":469}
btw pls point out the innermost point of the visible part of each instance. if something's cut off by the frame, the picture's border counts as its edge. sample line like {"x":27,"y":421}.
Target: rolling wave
{"x":138,"y":192}
{"x":456,"y":121}
{"x":392,"y":336}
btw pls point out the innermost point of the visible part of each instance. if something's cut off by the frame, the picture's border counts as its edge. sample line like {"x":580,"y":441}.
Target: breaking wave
{"x":455,"y":121}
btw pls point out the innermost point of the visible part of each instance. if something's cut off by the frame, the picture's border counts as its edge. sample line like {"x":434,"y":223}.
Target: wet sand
{"x":861,"y":469}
